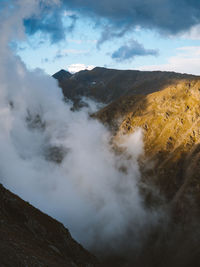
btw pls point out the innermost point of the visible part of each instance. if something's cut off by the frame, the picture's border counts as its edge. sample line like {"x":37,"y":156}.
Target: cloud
{"x":62,"y":160}
{"x":110,"y":32}
{"x":77,"y":67}
{"x":166,"y":15}
{"x":116,"y":17}
{"x":133,"y":49}
{"x":187,"y":60}
{"x":50,"y":24}
{"x":65,"y":52}
{"x":192,"y":34}
{"x":50,"y":21}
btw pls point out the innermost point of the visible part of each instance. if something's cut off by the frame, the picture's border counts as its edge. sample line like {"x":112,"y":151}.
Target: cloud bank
{"x":166,"y":16}
{"x":62,"y":161}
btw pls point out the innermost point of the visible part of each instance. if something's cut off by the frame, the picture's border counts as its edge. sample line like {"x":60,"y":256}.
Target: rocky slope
{"x":31,"y":238}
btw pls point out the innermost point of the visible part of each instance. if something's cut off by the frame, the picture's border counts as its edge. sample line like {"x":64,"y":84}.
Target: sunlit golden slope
{"x":170,"y":120}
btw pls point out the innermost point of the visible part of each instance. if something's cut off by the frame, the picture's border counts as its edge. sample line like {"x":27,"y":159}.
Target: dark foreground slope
{"x":29,"y":237}
{"x":107,"y":85}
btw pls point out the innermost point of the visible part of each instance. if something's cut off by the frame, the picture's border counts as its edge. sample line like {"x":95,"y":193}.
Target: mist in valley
{"x":63,"y":161}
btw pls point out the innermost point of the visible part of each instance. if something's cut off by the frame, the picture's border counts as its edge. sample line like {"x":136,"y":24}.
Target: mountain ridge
{"x":107,"y":85}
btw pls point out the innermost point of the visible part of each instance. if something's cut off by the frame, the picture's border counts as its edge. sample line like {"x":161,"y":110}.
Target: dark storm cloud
{"x":171,"y":16}
{"x":167,"y":16}
{"x":50,"y":22}
{"x":133,"y":49}
{"x":111,"y":32}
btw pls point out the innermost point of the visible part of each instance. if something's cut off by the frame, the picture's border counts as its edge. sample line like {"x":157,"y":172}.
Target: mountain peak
{"x":62,"y":75}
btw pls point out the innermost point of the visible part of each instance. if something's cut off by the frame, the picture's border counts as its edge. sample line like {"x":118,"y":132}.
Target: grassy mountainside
{"x":170,"y":120}
{"x":170,"y":167}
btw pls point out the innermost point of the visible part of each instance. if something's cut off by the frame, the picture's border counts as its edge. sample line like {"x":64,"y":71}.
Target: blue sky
{"x":96,"y":40}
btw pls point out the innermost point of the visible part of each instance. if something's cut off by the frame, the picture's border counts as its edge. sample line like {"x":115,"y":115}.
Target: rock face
{"x":107,"y":85}
{"x":31,"y":238}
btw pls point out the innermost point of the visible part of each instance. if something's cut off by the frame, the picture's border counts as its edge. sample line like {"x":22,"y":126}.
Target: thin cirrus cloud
{"x":133,"y":49}
{"x":66,"y":52}
{"x":186,"y":60}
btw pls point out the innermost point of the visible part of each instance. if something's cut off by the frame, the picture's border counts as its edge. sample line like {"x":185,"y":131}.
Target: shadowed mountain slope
{"x":31,"y":238}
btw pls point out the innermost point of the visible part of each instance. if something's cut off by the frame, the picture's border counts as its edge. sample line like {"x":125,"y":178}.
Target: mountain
{"x":107,"y":85}
{"x":62,"y":75}
{"x":170,"y":120}
{"x":31,"y":238}
{"x":170,"y":166}
{"x":166,"y":106}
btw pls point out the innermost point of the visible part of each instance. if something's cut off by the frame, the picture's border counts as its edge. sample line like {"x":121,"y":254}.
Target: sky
{"x":129,"y":34}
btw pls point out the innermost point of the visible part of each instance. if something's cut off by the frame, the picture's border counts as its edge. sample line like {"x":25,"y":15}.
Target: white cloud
{"x":77,"y":67}
{"x":187,"y":60}
{"x":192,"y":34}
